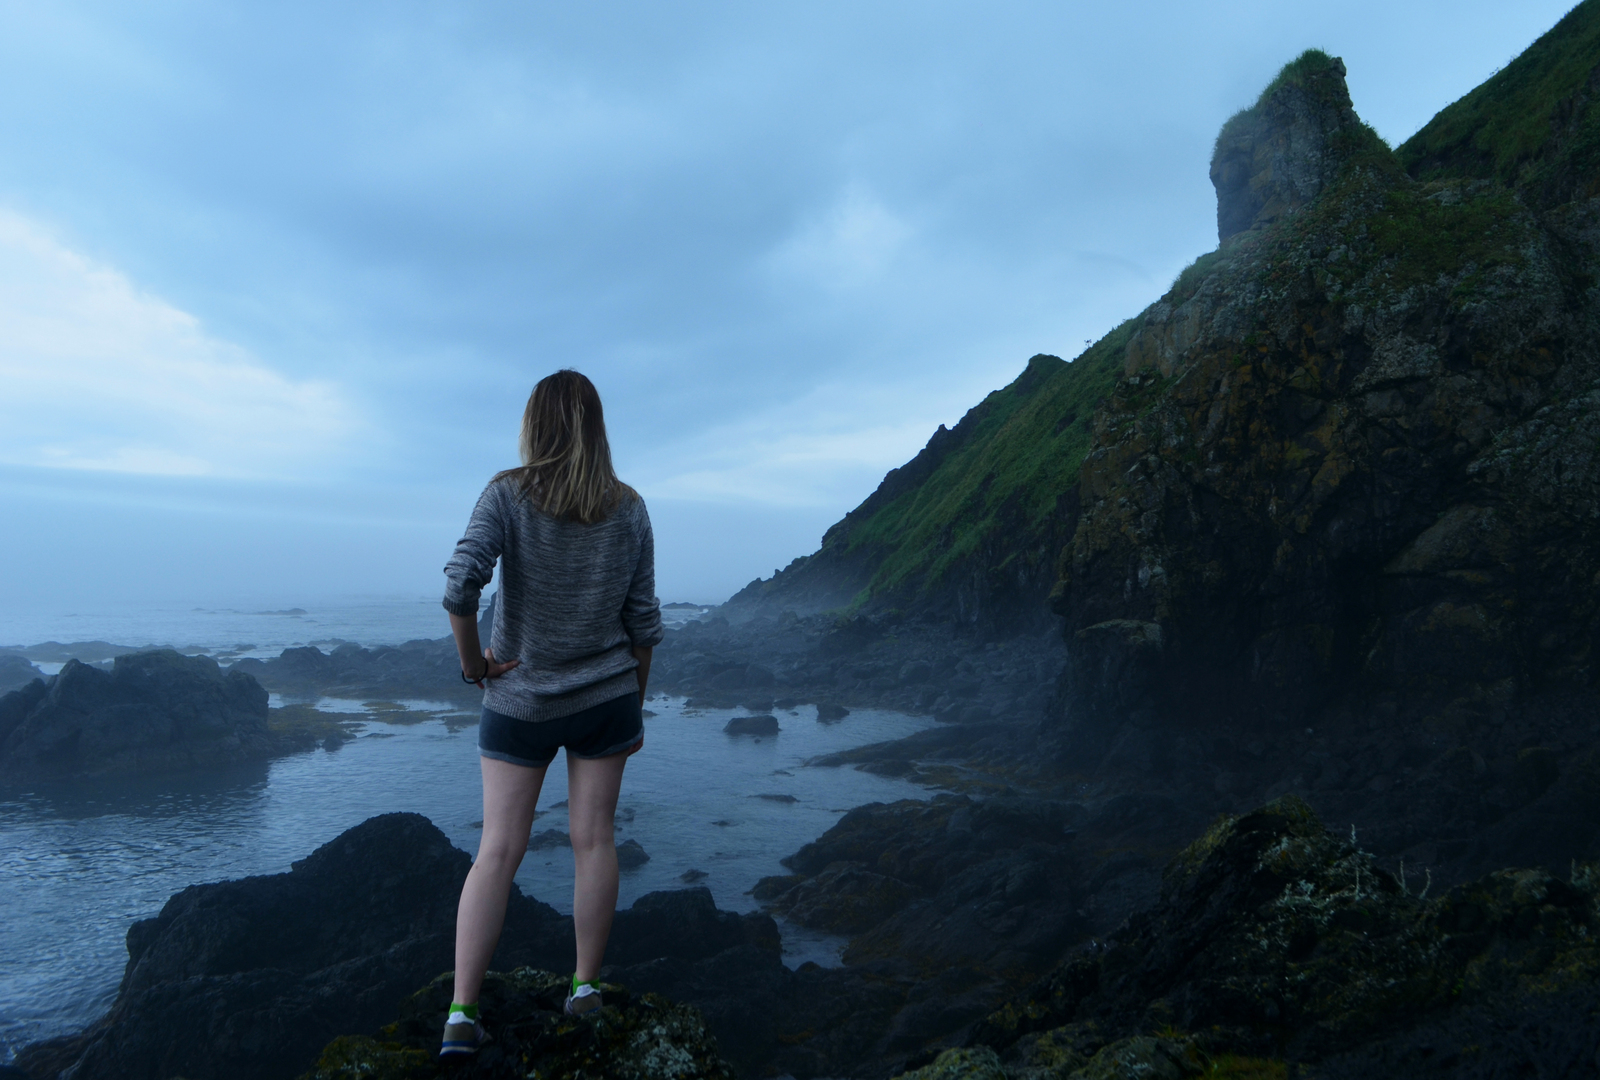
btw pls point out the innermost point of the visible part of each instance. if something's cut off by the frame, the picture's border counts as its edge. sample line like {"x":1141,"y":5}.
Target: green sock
{"x":469,"y":1011}
{"x":576,"y":982}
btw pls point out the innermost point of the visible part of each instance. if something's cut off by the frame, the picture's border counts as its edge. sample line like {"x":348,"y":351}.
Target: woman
{"x":577,"y":617}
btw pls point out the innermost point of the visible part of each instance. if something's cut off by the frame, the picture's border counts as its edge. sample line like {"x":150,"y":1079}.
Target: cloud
{"x":95,"y":374}
{"x":849,"y":245}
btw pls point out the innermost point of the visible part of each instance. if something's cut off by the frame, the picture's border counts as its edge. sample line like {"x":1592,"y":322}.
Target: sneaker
{"x":585,"y":999}
{"x":462,"y":1036}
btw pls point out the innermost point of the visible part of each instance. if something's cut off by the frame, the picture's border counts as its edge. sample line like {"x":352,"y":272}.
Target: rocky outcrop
{"x":430,"y":670}
{"x":633,"y":1038}
{"x":16,"y":672}
{"x":253,"y":978}
{"x":153,"y":712}
{"x":1278,"y":155}
{"x":1276,"y":941}
{"x":1339,"y":524}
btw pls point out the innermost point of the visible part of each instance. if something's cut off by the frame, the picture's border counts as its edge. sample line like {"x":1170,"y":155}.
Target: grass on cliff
{"x":1506,"y":127}
{"x":1030,"y":440}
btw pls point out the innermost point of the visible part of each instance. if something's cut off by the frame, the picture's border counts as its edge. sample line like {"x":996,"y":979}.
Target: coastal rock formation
{"x":253,"y":978}
{"x":154,"y":711}
{"x":633,"y":1038}
{"x":1274,"y":939}
{"x":16,"y":672}
{"x":1275,"y":157}
{"x":1339,"y":524}
{"x":430,"y":670}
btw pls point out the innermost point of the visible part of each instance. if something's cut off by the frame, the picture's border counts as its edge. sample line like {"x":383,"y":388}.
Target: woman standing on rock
{"x":577,"y":618}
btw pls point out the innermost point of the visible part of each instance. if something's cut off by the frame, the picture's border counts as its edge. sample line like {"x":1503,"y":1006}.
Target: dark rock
{"x":548,"y":838}
{"x":153,"y":712}
{"x":829,"y":711}
{"x":251,"y":978}
{"x":631,"y":855}
{"x":16,"y":672}
{"x":641,"y":1038}
{"x":1275,"y":157}
{"x":693,"y":877}
{"x":1273,"y":937}
{"x":684,"y":924}
{"x":752,"y":725}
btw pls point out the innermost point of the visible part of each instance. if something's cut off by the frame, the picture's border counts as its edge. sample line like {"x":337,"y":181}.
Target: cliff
{"x":968,"y":529}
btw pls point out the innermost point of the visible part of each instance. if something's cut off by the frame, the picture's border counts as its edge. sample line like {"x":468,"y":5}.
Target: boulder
{"x":752,"y":725}
{"x":154,"y":711}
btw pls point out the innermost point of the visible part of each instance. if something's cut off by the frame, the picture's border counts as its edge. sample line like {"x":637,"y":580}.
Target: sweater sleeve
{"x":471,"y":567}
{"x":641,"y":611}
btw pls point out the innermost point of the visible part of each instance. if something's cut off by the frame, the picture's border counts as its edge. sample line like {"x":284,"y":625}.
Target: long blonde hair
{"x":566,"y":458}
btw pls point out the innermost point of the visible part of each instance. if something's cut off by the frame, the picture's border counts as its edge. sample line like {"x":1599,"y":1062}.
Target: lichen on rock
{"x":632,"y":1038}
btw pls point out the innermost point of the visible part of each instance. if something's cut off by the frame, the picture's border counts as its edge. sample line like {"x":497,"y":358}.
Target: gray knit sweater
{"x":574,"y":601}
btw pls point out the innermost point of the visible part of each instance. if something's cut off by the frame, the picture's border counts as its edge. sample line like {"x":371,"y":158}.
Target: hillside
{"x":969,"y":528}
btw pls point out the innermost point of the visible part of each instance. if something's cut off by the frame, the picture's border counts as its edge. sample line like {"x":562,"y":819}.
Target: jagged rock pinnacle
{"x":1276,"y":156}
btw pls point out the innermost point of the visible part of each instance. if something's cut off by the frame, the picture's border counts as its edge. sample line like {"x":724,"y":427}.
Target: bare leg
{"x":510,"y":793}
{"x":592,"y":787}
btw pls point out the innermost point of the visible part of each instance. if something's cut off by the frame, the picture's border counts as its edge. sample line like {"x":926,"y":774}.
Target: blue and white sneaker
{"x":583,"y":1000}
{"x":463,"y":1036}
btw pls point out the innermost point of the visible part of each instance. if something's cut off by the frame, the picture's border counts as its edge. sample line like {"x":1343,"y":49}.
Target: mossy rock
{"x":632,"y":1038}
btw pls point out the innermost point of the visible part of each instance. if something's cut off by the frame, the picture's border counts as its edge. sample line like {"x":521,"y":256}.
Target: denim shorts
{"x":611,"y":727}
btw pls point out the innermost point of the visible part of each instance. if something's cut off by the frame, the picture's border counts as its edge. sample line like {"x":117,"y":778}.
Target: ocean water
{"x":81,"y":861}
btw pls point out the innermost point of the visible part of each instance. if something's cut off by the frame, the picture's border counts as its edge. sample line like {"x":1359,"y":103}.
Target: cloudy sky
{"x":275,"y":279}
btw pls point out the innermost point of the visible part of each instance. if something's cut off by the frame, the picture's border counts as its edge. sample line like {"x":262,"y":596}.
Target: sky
{"x":276,"y":279}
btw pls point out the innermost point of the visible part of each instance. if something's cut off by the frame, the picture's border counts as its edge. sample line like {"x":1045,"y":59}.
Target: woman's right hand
{"x":493,"y":669}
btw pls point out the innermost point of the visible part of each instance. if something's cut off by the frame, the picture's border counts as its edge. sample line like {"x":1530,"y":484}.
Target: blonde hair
{"x":566,"y":458}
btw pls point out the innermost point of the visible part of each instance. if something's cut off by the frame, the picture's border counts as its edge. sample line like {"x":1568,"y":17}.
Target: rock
{"x":1278,"y":155}
{"x":631,"y":855}
{"x":845,"y":898}
{"x":1273,"y":935}
{"x":251,"y":978}
{"x":692,"y":877}
{"x":640,"y":1038}
{"x":153,"y":712}
{"x":776,"y":797}
{"x":752,"y":725}
{"x":548,"y":838}
{"x":979,"y":1063}
{"x":684,"y":924}
{"x":829,"y":711}
{"x":16,"y":672}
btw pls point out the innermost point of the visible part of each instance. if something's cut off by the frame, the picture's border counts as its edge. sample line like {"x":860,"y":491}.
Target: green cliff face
{"x":970,"y":526}
{"x":1352,"y":461}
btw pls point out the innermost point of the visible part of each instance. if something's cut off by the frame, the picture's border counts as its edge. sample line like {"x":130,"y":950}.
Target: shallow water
{"x":79,"y":862}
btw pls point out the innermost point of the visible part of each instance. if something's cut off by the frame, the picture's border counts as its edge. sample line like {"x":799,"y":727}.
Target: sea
{"x":81,"y":861}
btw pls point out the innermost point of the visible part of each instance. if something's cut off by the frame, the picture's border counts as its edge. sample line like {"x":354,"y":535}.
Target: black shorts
{"x":611,"y":727}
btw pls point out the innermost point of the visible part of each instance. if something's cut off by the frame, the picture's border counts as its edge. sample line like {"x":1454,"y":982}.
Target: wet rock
{"x":829,"y":711}
{"x":251,"y":978}
{"x":631,"y":855}
{"x":153,"y":712}
{"x":548,"y":838}
{"x":640,"y":1038}
{"x":692,"y":877}
{"x":752,"y":725}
